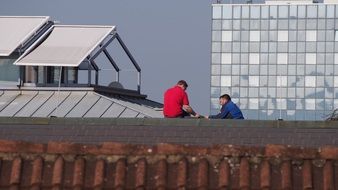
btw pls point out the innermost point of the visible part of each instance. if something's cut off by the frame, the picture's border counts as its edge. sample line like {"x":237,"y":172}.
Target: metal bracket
{"x":111,"y":60}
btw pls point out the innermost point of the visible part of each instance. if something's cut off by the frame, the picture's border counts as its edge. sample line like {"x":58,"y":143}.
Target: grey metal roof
{"x":72,"y":103}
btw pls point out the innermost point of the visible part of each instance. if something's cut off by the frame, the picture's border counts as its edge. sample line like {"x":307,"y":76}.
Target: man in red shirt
{"x":176,"y":102}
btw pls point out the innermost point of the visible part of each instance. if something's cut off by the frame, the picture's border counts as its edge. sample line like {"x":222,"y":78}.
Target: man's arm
{"x":186,"y":106}
{"x":222,"y":115}
{"x":189,"y":110}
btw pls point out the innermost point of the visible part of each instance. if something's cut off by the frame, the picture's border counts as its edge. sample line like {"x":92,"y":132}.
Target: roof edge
{"x":111,"y":91}
{"x":168,"y":122}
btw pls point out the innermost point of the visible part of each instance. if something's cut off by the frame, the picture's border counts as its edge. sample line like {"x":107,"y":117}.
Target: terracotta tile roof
{"x":62,"y":165}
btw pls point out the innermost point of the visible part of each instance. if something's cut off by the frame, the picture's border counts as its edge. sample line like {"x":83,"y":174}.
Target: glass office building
{"x":276,"y":60}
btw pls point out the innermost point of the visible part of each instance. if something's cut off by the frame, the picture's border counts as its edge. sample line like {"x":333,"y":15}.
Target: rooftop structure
{"x":48,"y":70}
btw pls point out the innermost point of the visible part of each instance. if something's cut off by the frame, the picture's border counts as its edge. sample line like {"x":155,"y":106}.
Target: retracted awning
{"x":16,"y":30}
{"x":66,"y":45}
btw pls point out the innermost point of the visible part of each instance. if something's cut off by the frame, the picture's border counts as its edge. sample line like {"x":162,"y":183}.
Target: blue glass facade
{"x":276,"y":61}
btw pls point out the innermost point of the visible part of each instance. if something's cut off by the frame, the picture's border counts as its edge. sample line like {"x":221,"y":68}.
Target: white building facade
{"x":277,"y":60}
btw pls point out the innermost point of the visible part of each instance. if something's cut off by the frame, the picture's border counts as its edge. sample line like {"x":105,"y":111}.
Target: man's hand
{"x":206,"y":117}
{"x":197,"y":115}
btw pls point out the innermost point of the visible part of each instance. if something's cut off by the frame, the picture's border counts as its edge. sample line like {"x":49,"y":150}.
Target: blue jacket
{"x":228,"y":111}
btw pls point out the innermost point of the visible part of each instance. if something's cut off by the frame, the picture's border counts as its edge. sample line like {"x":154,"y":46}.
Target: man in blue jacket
{"x":229,"y":109}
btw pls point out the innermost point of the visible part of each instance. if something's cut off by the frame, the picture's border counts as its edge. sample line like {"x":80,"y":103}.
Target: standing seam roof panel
{"x":66,"y":46}
{"x":99,"y":108}
{"x":35,"y":104}
{"x":128,"y":113}
{"x":142,"y":109}
{"x":50,"y":104}
{"x":68,"y":104}
{"x":20,"y":101}
{"x":7,"y":98}
{"x":114,"y":110}
{"x":140,"y":116}
{"x":82,"y":107}
{"x":17,"y":30}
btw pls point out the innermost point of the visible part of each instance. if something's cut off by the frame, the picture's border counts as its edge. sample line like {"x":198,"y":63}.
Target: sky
{"x":170,"y":40}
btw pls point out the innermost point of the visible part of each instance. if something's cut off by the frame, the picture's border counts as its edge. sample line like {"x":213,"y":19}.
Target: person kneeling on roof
{"x":229,"y":109}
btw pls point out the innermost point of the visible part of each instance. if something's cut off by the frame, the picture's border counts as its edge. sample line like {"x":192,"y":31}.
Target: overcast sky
{"x":170,"y":39}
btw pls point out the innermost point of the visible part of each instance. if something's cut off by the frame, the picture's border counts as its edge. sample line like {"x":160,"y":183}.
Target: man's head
{"x":182,"y":84}
{"x":225,"y":98}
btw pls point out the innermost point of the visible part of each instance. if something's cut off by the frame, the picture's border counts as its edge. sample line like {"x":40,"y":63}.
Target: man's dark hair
{"x":225,"y":96}
{"x":183,"y":82}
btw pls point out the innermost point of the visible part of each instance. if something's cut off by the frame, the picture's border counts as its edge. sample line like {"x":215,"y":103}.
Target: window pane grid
{"x":276,"y":57}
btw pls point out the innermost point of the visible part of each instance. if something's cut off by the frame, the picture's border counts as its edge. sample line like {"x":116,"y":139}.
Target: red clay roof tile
{"x":307,"y":175}
{"x":57,"y":175}
{"x":15,"y":171}
{"x":120,"y":173}
{"x":23,"y":147}
{"x":286,"y":175}
{"x":224,"y":175}
{"x":244,"y":172}
{"x":78,"y":174}
{"x":265,"y":175}
{"x":140,"y":175}
{"x":37,"y":172}
{"x":161,"y":174}
{"x":202,"y":175}
{"x":328,"y":180}
{"x":182,"y":173}
{"x":99,"y":173}
{"x":165,"y":166}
